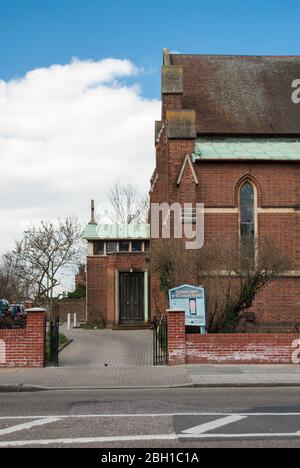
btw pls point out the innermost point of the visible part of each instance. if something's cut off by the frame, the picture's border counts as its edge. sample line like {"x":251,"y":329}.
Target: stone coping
{"x":35,"y":310}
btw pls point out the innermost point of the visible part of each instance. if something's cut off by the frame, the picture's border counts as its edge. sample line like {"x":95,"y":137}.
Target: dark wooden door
{"x":132,"y":308}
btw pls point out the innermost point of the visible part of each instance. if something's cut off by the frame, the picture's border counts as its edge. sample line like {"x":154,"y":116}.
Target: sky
{"x":36,"y":33}
{"x":80,"y":90}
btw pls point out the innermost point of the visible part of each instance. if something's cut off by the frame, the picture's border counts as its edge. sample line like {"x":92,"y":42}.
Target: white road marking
{"x":158,"y":437}
{"x":143,"y":415}
{"x":212,"y":425}
{"x":87,"y":440}
{"x":198,"y":432}
{"x":29,"y":425}
{"x":241,"y":436}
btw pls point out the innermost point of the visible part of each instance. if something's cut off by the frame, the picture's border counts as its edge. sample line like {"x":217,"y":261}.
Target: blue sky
{"x":35,"y":33}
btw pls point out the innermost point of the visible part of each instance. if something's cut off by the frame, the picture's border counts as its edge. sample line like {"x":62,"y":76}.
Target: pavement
{"x":123,"y":359}
{"x":170,"y":419}
{"x":244,"y":375}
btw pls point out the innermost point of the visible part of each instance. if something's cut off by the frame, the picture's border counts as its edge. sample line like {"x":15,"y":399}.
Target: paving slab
{"x":107,"y":348}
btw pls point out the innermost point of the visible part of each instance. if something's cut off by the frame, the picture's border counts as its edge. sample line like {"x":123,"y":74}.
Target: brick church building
{"x":229,"y":137}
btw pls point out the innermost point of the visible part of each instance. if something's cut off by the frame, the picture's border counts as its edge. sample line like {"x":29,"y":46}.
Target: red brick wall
{"x":72,"y":306}
{"x":279,"y":302}
{"x":240,"y":349}
{"x":96,"y":288}
{"x":227,"y":349}
{"x":277,"y":183}
{"x":24,"y":348}
{"x":101,"y":284}
{"x":171,"y":102}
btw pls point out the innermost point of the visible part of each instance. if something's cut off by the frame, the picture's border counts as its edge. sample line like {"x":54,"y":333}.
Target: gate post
{"x":36,"y":333}
{"x":176,"y":337}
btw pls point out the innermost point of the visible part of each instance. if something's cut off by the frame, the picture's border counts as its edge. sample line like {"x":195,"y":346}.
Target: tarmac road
{"x":152,"y":418}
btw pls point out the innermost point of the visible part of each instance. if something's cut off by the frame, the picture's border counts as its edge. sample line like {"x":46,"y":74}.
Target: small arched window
{"x":247,"y":212}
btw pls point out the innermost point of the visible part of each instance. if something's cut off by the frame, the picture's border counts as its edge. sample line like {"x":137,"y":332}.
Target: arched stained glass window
{"x":247,"y":225}
{"x":247,"y":212}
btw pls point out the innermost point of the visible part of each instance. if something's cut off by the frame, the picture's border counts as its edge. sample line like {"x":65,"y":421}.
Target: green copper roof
{"x":258,"y":149}
{"x":117,"y":231}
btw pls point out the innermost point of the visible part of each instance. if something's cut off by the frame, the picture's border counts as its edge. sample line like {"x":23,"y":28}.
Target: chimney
{"x":166,"y":60}
{"x":93,"y":221}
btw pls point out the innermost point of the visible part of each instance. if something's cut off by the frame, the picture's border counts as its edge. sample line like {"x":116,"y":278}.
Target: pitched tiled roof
{"x":241,"y":94}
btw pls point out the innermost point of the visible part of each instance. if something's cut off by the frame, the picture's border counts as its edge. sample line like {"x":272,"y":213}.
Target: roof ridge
{"x":234,"y":55}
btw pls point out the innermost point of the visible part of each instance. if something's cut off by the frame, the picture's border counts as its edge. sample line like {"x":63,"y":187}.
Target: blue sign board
{"x":192,"y":301}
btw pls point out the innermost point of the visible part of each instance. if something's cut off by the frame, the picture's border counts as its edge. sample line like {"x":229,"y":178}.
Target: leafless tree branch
{"x":127,"y":205}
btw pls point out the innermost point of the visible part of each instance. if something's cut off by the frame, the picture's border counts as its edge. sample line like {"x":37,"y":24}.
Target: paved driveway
{"x":107,"y":348}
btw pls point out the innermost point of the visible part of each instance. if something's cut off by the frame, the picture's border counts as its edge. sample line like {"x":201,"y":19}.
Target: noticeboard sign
{"x":192,"y":300}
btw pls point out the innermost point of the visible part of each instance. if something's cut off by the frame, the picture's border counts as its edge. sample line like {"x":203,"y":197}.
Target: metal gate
{"x":52,"y":342}
{"x":160,"y":341}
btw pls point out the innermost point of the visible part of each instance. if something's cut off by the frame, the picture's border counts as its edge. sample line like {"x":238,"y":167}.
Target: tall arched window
{"x":247,"y":211}
{"x":247,"y":224}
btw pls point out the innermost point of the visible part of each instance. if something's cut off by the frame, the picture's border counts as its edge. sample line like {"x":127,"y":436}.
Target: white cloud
{"x":66,"y":134}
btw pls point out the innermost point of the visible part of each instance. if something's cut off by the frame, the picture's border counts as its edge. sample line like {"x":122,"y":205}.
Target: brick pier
{"x":24,"y":347}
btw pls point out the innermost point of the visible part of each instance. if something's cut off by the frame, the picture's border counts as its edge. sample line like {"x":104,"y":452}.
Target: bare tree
{"x":248,"y":269}
{"x":13,"y":286}
{"x":173,"y":264}
{"x":127,"y":205}
{"x":44,"y":251}
{"x":232,"y":276}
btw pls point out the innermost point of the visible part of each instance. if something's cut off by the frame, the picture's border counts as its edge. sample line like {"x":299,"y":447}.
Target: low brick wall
{"x":240,"y":349}
{"x":63,"y":307}
{"x":25,"y":347}
{"x":251,"y":348}
{"x":72,"y":306}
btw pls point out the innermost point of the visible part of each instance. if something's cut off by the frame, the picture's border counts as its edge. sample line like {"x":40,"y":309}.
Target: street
{"x":157,"y":418}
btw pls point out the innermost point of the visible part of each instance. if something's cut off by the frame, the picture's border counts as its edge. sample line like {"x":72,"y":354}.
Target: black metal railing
{"x":52,"y":342}
{"x":160,"y":341}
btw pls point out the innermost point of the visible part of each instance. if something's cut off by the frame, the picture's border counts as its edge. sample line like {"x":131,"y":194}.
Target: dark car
{"x":17,"y":311}
{"x":4,"y":307}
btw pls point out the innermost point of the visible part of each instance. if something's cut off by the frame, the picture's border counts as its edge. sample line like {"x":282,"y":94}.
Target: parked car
{"x":4,"y":307}
{"x":17,"y":311}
